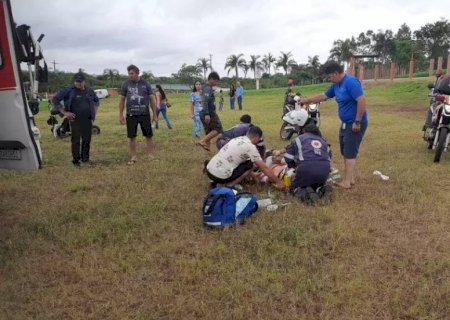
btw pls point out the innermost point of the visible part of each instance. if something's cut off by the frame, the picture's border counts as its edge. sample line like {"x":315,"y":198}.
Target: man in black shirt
{"x":137,"y":94}
{"x":208,"y":116}
{"x":80,"y":105}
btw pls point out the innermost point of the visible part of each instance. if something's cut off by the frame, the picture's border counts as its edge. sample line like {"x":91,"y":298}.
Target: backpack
{"x":223,"y":207}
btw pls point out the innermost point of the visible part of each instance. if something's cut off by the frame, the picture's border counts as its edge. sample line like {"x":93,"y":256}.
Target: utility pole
{"x":54,"y":65}
{"x":210,"y":62}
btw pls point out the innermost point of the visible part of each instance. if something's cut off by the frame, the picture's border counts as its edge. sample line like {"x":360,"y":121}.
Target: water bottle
{"x":263,"y":203}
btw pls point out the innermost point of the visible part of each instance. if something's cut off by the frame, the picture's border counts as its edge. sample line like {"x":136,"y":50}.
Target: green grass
{"x":111,"y":241}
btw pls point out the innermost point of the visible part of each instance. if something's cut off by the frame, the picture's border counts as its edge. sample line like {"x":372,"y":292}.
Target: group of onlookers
{"x":239,"y":148}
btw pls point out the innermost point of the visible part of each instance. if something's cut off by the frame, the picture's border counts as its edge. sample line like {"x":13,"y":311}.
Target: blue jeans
{"x":240,"y":102}
{"x":197,"y":122}
{"x":220,"y":105}
{"x":232,"y":99}
{"x":163,"y":109}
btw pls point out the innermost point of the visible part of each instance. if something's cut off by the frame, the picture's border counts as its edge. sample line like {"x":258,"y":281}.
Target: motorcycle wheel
{"x":285,"y":134}
{"x":95,"y":129}
{"x":441,"y":144}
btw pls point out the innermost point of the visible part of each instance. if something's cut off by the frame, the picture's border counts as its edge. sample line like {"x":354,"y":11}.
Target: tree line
{"x":430,"y":41}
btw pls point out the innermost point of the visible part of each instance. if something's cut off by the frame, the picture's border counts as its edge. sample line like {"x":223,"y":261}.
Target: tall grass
{"x":111,"y":241}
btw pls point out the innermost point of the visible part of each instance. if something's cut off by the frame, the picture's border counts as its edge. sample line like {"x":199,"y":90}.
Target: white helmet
{"x":296,"y":117}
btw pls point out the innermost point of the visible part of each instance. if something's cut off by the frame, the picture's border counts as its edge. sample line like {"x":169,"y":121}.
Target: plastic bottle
{"x":263,"y":203}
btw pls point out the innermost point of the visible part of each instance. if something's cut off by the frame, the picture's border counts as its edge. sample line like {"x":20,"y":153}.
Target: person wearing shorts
{"x":138,"y":95}
{"x":352,"y":112}
{"x":208,"y":116}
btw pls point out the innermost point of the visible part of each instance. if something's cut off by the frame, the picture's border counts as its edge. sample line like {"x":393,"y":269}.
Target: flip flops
{"x":131,"y":162}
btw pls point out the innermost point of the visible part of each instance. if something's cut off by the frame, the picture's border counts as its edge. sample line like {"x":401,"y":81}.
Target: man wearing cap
{"x":80,"y":106}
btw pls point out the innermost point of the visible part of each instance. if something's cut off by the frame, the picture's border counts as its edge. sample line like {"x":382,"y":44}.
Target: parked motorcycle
{"x":437,"y":131}
{"x":293,"y":121}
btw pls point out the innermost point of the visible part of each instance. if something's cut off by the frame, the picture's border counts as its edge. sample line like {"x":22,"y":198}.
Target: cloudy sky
{"x":160,"y":36}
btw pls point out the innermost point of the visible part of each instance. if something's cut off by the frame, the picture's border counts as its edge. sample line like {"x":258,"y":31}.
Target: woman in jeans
{"x":161,"y":105}
{"x":196,"y":106}
{"x":232,"y":96}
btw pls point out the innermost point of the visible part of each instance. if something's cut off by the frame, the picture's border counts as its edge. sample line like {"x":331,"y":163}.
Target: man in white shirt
{"x":236,"y":160}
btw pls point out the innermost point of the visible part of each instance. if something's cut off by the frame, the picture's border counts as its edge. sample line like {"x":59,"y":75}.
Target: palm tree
{"x":285,"y":61}
{"x":314,"y":64}
{"x":267,"y":60}
{"x":234,"y":62}
{"x":204,"y":64}
{"x":245,"y":67}
{"x":111,"y":74}
{"x":255,"y":65}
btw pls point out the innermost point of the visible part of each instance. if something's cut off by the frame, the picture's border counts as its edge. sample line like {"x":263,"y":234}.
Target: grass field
{"x":111,"y":241}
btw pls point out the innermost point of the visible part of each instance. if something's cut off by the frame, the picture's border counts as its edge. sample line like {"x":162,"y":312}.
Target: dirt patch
{"x":410,"y":109}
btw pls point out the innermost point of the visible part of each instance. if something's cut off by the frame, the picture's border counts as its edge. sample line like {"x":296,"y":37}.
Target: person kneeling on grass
{"x":239,"y":130}
{"x":310,"y":155}
{"x":236,"y":159}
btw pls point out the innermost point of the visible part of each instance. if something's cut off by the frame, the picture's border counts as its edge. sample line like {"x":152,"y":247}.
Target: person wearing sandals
{"x":208,"y":116}
{"x":352,"y":112}
{"x":161,"y":102}
{"x":138,"y":95}
{"x":196,"y":107}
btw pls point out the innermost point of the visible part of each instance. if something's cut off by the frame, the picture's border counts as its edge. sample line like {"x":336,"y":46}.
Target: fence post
{"x":376,"y":72}
{"x":439,"y":64}
{"x":351,"y":66}
{"x":361,"y":72}
{"x":392,"y":73}
{"x":411,"y":68}
{"x":431,"y":68}
{"x":448,"y":64}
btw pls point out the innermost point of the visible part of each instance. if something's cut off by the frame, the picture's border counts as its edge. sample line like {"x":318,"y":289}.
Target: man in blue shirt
{"x":352,"y":112}
{"x":239,"y":94}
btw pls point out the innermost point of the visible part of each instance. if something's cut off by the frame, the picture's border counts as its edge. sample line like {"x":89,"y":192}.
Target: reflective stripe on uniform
{"x":289,"y":156}
{"x":299,"y":146}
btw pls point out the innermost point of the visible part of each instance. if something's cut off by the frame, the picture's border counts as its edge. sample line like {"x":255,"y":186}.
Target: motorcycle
{"x":437,"y":131}
{"x":294,"y":121}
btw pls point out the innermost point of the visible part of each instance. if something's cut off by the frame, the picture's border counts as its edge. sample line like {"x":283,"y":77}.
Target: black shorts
{"x":214,"y":124}
{"x":144,"y":121}
{"x":239,"y":171}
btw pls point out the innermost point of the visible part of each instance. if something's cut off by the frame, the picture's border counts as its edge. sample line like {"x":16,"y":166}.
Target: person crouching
{"x":310,"y":155}
{"x":236,"y":159}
